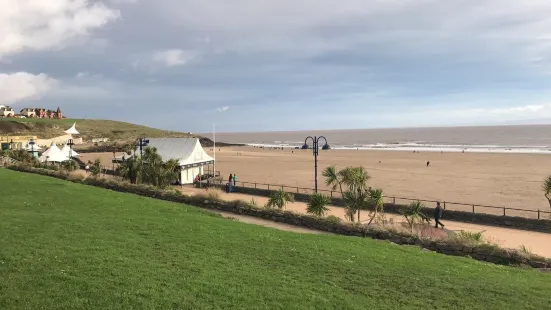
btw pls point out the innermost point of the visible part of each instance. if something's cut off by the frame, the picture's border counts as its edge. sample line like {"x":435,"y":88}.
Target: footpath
{"x":537,"y":243}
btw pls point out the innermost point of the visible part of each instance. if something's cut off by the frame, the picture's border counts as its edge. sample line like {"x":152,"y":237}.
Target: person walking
{"x":438,"y":215}
{"x":230,"y":179}
{"x":234,"y":179}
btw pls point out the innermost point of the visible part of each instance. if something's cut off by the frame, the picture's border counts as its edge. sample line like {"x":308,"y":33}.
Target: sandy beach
{"x":502,"y":180}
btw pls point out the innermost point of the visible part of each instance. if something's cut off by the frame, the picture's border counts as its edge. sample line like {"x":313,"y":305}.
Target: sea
{"x":483,"y":139}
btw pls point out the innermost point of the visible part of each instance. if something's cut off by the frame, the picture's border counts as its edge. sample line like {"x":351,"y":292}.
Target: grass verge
{"x":70,"y":246}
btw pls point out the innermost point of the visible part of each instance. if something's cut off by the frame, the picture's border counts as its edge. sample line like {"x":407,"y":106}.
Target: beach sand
{"x":501,"y":180}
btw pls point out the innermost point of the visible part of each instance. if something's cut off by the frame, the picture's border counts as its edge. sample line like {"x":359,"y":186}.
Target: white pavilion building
{"x":188,"y":151}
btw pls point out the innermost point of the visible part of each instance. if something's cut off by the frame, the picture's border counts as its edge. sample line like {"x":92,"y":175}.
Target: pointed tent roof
{"x":72,"y":130}
{"x":188,"y":151}
{"x":53,"y":154}
{"x":66,"y":151}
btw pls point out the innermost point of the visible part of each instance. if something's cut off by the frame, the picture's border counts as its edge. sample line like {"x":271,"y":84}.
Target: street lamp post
{"x":11,"y":144}
{"x":315,"y":150}
{"x":142,"y":142}
{"x":70,"y":143}
{"x":31,"y":143}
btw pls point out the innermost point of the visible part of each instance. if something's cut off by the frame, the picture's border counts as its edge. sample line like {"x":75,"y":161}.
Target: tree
{"x":376,"y":202}
{"x":547,"y":189}
{"x":279,"y":199}
{"x":95,"y":168}
{"x":317,"y":205}
{"x":131,"y":169}
{"x":354,"y":180}
{"x":413,"y":213}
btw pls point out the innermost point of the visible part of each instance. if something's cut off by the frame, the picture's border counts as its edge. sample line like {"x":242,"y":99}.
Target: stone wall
{"x":482,"y":252}
{"x":459,"y":216}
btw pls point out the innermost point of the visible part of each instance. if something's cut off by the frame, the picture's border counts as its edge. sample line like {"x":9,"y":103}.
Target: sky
{"x":263,"y":65}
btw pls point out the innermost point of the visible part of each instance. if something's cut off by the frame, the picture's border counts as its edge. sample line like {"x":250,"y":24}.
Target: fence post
{"x":254,"y":185}
{"x":281,"y":187}
{"x":394,"y":200}
{"x":268,"y":186}
{"x":331,"y":194}
{"x":297,"y":190}
{"x":503,"y":211}
{"x":473,"y":209}
{"x":538,"y":214}
{"x":444,"y":205}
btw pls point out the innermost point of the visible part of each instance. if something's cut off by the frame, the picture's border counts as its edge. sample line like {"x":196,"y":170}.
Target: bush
{"x":70,"y":165}
{"x":333,"y":219}
{"x":213,"y":194}
{"x":469,"y":236}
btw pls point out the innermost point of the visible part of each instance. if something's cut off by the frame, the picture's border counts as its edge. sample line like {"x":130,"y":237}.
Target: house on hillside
{"x":28,"y":112}
{"x":44,"y":113}
{"x":6,"y":111}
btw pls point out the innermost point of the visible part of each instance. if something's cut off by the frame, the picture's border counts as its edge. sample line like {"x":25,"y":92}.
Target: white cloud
{"x":23,"y":86}
{"x":173,"y":57}
{"x":48,"y":24}
{"x":223,"y":109}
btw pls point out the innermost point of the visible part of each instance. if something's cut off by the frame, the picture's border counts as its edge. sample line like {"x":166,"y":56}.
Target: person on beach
{"x":230,"y":179}
{"x":234,"y":179}
{"x":438,"y":215}
{"x":428,"y":163}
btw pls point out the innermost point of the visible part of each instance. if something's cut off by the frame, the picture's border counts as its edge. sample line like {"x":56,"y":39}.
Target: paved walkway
{"x":538,"y":243}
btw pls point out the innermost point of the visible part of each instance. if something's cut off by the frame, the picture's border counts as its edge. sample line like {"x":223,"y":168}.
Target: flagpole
{"x":214,"y":148}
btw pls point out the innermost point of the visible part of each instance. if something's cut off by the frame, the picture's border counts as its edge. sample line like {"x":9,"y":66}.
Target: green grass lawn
{"x":70,"y":246}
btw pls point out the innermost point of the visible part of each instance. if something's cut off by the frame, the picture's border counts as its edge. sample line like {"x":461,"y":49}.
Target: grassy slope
{"x":64,"y":245}
{"x":48,"y":128}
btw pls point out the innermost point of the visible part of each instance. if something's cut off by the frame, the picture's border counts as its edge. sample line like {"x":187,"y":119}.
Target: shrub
{"x":279,"y":199}
{"x":213,"y":194}
{"x":70,"y":165}
{"x":333,"y":219}
{"x":475,"y":237}
{"x":317,"y":204}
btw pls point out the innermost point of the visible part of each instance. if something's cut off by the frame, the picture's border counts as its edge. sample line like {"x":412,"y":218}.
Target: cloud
{"x":223,"y":109}
{"x":43,"y":25}
{"x":173,"y":57}
{"x":22,"y":86}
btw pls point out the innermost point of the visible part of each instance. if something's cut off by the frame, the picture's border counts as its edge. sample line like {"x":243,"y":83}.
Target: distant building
{"x":42,"y":113}
{"x":6,"y":111}
{"x":28,"y":112}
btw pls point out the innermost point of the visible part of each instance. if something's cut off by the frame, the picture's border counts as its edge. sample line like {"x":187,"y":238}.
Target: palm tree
{"x":547,"y":189}
{"x":333,"y":178}
{"x":376,"y":202}
{"x":279,"y":199}
{"x":131,"y":169}
{"x":354,"y":180}
{"x":413,"y":213}
{"x":317,"y":205}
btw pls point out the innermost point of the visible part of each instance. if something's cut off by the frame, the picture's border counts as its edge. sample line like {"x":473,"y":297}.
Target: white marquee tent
{"x":66,"y":151}
{"x":53,"y":154}
{"x":72,"y":130}
{"x":188,"y":151}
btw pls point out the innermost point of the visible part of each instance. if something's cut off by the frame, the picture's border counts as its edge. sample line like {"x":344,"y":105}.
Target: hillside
{"x":114,"y":130}
{"x":71,"y":246}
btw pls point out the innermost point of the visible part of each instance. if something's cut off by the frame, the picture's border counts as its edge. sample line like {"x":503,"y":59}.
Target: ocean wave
{"x":423,"y":147}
